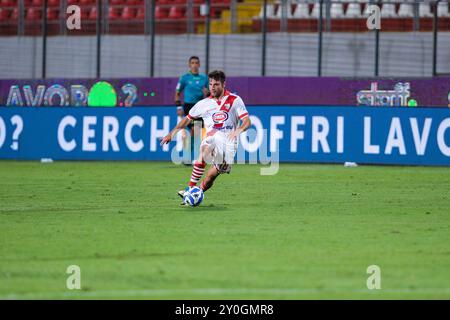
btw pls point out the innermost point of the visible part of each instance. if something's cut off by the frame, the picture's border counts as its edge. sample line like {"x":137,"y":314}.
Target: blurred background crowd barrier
{"x":154,"y":38}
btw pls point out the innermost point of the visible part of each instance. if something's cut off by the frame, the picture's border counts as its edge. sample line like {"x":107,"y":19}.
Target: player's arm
{"x":245,"y":124}
{"x":245,"y":119}
{"x":177,"y":98}
{"x":181,"y":125}
{"x":178,"y":90}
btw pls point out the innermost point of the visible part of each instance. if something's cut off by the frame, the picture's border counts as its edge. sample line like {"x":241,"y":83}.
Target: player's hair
{"x":217,"y":75}
{"x":194,"y":58}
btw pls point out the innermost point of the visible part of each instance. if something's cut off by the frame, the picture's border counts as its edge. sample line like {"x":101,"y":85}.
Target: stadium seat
{"x":337,"y":10}
{"x":92,"y":14}
{"x":443,"y":9}
{"x":161,"y":12}
{"x":353,"y":10}
{"x":33,"y":14}
{"x":316,"y":10}
{"x":87,"y":2}
{"x":52,"y":14}
{"x":113,"y":13}
{"x":14,"y":14}
{"x":128,"y":13}
{"x":85,"y":12}
{"x":37,"y":3}
{"x":425,"y":10}
{"x":53,"y":3}
{"x":406,"y":10}
{"x":279,"y":12}
{"x":388,"y":10}
{"x":176,"y":12}
{"x":140,"y":13}
{"x":5,"y":14}
{"x":270,"y":11}
{"x":8,"y":3}
{"x":117,"y":2}
{"x":301,"y":11}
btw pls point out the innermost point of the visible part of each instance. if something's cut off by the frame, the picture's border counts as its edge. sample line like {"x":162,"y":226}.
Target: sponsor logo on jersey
{"x":220,"y":117}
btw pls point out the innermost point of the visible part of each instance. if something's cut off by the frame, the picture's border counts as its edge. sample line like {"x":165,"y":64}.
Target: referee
{"x":195,"y":87}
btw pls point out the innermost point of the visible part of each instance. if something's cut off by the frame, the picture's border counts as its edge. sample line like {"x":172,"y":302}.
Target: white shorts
{"x":222,"y":151}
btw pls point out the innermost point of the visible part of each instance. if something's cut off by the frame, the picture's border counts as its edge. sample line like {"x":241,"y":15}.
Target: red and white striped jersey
{"x":223,"y":115}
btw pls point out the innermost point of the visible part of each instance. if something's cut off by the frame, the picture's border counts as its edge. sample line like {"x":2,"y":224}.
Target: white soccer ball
{"x":193,"y":196}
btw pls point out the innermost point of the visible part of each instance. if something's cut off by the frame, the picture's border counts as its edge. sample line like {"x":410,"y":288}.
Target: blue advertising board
{"x":404,"y":136}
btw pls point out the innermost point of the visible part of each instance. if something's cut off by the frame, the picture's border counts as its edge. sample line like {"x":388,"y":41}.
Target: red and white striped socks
{"x":197,"y":173}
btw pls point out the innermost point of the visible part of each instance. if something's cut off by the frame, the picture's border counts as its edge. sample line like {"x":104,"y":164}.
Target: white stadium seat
{"x":443,"y":9}
{"x":353,"y":10}
{"x":270,"y":11}
{"x":316,"y":10}
{"x":425,"y":10}
{"x":388,"y":10}
{"x":301,"y":11}
{"x":337,"y":10}
{"x":279,"y":13}
{"x":406,"y":10}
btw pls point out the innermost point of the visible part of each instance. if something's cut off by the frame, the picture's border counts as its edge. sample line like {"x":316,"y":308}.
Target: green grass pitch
{"x":309,"y":232}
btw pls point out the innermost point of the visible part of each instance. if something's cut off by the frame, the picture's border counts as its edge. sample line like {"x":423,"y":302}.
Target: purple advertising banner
{"x":426,"y":92}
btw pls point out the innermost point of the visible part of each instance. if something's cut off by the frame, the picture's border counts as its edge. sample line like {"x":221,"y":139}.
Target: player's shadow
{"x":209,"y":208}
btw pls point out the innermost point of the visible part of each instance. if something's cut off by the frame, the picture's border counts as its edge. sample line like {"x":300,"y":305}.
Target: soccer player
{"x":225,"y":118}
{"x":195,"y":87}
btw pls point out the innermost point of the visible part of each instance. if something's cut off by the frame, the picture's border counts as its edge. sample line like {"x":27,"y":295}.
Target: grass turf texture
{"x":310,"y":231}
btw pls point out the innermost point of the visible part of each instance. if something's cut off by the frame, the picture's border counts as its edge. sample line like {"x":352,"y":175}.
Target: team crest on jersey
{"x":220,"y":116}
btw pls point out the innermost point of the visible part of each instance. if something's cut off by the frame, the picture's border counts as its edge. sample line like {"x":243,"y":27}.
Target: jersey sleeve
{"x":180,"y":84}
{"x":196,"y":111}
{"x":240,"y":108}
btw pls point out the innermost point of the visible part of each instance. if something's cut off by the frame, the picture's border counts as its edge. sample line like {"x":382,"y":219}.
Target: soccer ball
{"x":193,"y":196}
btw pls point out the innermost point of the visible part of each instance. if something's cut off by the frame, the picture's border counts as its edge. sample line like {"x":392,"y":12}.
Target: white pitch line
{"x":158,"y":292}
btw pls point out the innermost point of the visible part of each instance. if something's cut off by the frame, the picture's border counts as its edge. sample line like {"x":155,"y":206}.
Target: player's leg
{"x":208,"y":181}
{"x":188,"y":144}
{"x":199,"y":166}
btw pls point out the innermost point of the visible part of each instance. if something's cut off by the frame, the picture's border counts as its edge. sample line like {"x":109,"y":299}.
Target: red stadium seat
{"x":14,"y":14}
{"x":37,"y":3}
{"x":33,"y":14}
{"x":176,"y":12}
{"x":87,"y":2}
{"x":161,"y":12}
{"x":92,"y":14}
{"x":84,"y":13}
{"x":128,"y":13}
{"x":114,"y":13}
{"x":116,"y":2}
{"x":52,"y":14}
{"x":197,"y":13}
{"x":140,"y":13}
{"x":8,"y":3}
{"x":70,"y":2}
{"x":53,"y":3}
{"x":5,"y":14}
